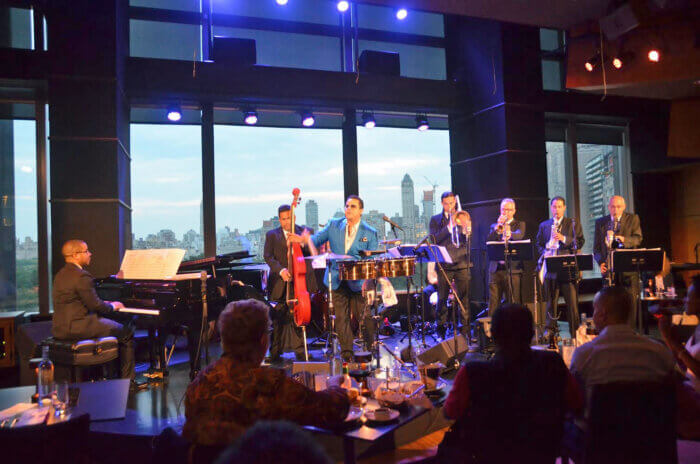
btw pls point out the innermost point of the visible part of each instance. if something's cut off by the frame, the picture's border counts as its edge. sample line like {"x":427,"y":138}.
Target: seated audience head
{"x":76,"y":252}
{"x":512,"y":328}
{"x":692,"y":299}
{"x":275,"y":443}
{"x":244,"y":327}
{"x":611,"y":305}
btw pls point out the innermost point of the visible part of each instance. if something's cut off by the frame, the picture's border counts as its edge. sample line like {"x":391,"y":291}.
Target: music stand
{"x":509,"y":251}
{"x":567,"y":267}
{"x":638,"y":260}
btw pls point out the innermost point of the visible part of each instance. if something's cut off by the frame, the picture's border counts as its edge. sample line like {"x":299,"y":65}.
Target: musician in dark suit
{"x":559,"y":235}
{"x":505,"y":227}
{"x":451,"y":229}
{"x":618,"y":230}
{"x":79,"y":313}
{"x":284,"y":330}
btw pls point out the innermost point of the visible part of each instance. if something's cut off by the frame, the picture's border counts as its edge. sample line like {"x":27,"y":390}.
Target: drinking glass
{"x":567,"y":350}
{"x":62,"y":398}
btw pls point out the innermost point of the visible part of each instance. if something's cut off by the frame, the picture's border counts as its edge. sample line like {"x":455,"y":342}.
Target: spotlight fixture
{"x":250,"y":117}
{"x":422,"y":123}
{"x":368,"y":120}
{"x":307,"y":119}
{"x":654,"y":55}
{"x":281,"y":2}
{"x":401,"y":14}
{"x":592,"y":62}
{"x":620,"y":59}
{"x":343,"y":6}
{"x":174,"y":113}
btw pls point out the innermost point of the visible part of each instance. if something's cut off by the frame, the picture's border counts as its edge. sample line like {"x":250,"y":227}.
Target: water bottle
{"x":397,"y":365}
{"x":45,"y":375}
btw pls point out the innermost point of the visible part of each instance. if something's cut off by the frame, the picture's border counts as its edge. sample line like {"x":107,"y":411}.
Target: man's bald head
{"x":612,"y":305}
{"x":616,"y":206}
{"x":76,"y":252}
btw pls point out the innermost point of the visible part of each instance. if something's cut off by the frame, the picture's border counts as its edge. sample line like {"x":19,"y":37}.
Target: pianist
{"x":79,"y":313}
{"x":235,"y":392}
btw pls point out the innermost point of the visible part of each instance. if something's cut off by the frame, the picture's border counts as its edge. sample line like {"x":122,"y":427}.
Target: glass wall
{"x":16,"y":28}
{"x":553,"y":50}
{"x":256,"y":169}
{"x":19,"y":260}
{"x":556,"y":169}
{"x":154,"y":39}
{"x":166,"y":187}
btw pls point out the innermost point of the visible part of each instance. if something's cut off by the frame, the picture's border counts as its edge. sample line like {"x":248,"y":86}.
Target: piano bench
{"x":78,"y":354}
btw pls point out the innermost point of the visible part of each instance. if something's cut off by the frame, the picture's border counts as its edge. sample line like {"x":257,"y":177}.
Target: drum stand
{"x":332,"y":337}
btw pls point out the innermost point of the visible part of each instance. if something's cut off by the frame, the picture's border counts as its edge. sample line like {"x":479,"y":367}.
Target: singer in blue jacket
{"x":350,"y":236}
{"x":451,"y":229}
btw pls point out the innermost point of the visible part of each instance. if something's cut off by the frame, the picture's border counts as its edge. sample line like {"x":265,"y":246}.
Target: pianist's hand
{"x":286,"y":276}
{"x":603,"y":268}
{"x":117,"y":305}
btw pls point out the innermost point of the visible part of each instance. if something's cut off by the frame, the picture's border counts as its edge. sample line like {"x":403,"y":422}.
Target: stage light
{"x":592,"y":62}
{"x":368,"y":120}
{"x":621,"y":59}
{"x":617,"y":62}
{"x":422,"y":123}
{"x":250,"y":117}
{"x":654,"y":55}
{"x":307,"y":119}
{"x":401,"y":14}
{"x":281,"y":2}
{"x":343,"y":6}
{"x":174,"y":113}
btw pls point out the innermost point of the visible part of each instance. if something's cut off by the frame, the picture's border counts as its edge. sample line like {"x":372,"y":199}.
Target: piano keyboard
{"x":145,"y":312}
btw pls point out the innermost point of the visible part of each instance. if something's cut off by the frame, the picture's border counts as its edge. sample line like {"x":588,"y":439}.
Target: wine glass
{"x":62,"y":398}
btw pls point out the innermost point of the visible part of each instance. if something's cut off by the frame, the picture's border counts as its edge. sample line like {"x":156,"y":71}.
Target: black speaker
{"x":375,"y":62}
{"x":231,"y":50}
{"x":443,"y":352}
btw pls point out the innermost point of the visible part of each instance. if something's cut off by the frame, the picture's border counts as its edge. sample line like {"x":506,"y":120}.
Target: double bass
{"x":298,"y":300}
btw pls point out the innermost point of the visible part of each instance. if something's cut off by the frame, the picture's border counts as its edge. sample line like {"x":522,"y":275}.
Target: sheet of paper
{"x":510,"y":241}
{"x":16,"y":409}
{"x":160,"y":264}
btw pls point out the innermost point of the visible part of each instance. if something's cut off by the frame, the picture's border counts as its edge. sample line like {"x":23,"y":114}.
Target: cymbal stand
{"x":332,"y":338}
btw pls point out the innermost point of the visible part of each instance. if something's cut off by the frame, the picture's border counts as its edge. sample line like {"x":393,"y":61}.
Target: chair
{"x":79,"y":354}
{"x":59,"y":443}
{"x":631,"y":422}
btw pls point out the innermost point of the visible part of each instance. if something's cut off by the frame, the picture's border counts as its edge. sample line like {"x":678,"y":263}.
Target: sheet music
{"x":396,"y":251}
{"x":158,"y":264}
{"x":509,"y":241}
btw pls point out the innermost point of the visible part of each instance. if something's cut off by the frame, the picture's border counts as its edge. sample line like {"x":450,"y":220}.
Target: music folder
{"x":154,"y":264}
{"x":518,"y":250}
{"x":423,"y":254}
{"x":638,"y":260}
{"x":566,"y":267}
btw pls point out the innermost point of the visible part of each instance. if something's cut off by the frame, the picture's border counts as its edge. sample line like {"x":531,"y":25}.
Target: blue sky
{"x":256,"y":170}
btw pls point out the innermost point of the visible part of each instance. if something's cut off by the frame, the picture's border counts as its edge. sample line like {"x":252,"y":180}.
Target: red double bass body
{"x":300,"y":305}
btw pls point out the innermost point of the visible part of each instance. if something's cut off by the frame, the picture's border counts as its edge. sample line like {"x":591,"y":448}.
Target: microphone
{"x":422,"y":242}
{"x":393,"y":224}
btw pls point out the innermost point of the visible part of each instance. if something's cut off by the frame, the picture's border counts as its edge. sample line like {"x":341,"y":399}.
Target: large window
{"x":16,"y":28}
{"x":166,"y":187}
{"x":553,"y":50}
{"x":256,"y":170}
{"x":402,"y":173}
{"x":19,"y":278}
{"x":594,"y":159}
{"x":154,"y":39}
{"x":416,"y":61}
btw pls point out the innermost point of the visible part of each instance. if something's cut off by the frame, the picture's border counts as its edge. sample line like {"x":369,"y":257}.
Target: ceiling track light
{"x":174,"y":112}
{"x":307,"y":119}
{"x":621,"y":59}
{"x":422,"y":122}
{"x":282,"y":2}
{"x":343,"y":6}
{"x":401,"y":14}
{"x":368,"y":120}
{"x":250,"y":117}
{"x":592,"y":62}
{"x":654,"y":54}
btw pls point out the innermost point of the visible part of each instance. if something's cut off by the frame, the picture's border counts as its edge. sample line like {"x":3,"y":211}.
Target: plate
{"x":354,"y":414}
{"x":393,"y":415}
{"x":437,"y":390}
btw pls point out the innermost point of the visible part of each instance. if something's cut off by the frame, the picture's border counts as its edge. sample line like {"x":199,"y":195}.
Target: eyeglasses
{"x":83,"y":251}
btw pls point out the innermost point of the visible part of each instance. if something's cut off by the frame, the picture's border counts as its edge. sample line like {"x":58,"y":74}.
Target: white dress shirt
{"x":350,"y":234}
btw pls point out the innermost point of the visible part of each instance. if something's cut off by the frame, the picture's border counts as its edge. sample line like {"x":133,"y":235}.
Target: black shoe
{"x":347,"y":356}
{"x":441,"y":331}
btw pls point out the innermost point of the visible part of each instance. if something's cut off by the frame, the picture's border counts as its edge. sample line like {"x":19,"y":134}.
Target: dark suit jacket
{"x":275,"y":255}
{"x":629,"y":228}
{"x":517,"y":232}
{"x":440,"y":230}
{"x":76,"y":305}
{"x":567,"y":247}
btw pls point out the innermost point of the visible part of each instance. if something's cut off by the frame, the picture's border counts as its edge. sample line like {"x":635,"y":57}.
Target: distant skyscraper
{"x":601,"y":179}
{"x":428,"y":205}
{"x":375,"y":219}
{"x":312,"y":214}
{"x":408,"y":198}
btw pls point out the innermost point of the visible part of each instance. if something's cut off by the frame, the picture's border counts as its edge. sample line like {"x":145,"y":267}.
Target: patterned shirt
{"x":228,"y":397}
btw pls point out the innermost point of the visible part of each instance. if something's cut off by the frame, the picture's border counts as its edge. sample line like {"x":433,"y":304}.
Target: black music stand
{"x":512,"y":250}
{"x":567,"y":267}
{"x":638,"y":261}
